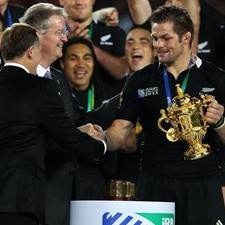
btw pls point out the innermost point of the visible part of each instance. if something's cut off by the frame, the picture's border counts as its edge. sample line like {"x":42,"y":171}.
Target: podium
{"x":122,"y":213}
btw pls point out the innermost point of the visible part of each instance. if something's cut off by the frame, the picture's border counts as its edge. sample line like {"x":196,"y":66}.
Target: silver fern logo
{"x":207,"y":90}
{"x":105,"y":40}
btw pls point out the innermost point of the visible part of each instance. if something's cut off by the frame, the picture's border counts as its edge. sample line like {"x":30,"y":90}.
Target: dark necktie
{"x":48,"y":75}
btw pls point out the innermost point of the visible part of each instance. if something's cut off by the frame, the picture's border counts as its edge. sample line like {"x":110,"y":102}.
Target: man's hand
{"x":214,"y":112}
{"x":173,"y":2}
{"x":100,"y":134}
{"x":89,"y":129}
{"x":94,"y":131}
{"x":110,"y":16}
{"x":214,"y":116}
{"x":76,"y":29}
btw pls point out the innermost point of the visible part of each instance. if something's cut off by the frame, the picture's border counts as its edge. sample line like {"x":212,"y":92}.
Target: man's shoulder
{"x":12,"y":70}
{"x":59,"y":77}
{"x":57,"y":73}
{"x":145,"y":75}
{"x":151,"y":68}
{"x":206,"y":65}
{"x":21,"y":79}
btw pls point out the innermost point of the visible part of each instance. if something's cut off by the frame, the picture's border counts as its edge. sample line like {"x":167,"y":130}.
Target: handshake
{"x":94,"y":131}
{"x":128,"y":145}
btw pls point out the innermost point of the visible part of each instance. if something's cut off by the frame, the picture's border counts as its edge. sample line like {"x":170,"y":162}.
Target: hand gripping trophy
{"x":186,"y":116}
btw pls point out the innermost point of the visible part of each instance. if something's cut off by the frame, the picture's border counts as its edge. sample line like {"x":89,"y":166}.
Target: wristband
{"x":219,"y":124}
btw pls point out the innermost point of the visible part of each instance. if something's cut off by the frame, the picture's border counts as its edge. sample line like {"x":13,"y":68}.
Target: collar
{"x":17,"y":65}
{"x":41,"y":70}
{"x":198,"y":62}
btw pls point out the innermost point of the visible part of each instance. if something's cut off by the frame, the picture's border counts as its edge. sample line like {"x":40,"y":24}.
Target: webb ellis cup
{"x":186,"y":117}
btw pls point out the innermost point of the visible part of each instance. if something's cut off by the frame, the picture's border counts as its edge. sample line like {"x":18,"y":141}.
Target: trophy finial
{"x":179,"y":91}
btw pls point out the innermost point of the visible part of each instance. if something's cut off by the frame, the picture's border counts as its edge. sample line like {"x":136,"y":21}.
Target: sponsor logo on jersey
{"x":148,"y":92}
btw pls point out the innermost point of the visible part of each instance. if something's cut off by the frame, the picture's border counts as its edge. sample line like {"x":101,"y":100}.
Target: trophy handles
{"x":171,"y":134}
{"x":206,"y":101}
{"x":161,"y":119}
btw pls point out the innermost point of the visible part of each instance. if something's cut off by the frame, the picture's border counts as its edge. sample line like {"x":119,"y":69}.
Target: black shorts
{"x":198,"y":201}
{"x":18,"y":219}
{"x":223,"y":168}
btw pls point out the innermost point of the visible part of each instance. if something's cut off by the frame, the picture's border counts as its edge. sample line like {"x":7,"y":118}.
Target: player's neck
{"x":87,"y":22}
{"x":180,"y":64}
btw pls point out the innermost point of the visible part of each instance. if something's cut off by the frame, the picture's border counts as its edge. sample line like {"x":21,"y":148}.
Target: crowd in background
{"x":121,"y":6}
{"x":215,"y":8}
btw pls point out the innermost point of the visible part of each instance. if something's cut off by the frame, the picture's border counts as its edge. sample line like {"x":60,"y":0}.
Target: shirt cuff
{"x":105,"y":146}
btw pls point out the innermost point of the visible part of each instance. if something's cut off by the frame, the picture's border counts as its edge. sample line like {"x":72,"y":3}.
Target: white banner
{"x":122,"y":213}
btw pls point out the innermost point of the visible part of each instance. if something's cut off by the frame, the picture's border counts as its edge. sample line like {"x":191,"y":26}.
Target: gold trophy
{"x":186,"y":117}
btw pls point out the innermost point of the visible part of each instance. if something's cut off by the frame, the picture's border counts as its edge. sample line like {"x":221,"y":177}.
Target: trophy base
{"x":197,"y":151}
{"x":120,"y":190}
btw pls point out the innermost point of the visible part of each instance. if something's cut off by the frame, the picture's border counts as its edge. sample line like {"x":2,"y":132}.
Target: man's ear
{"x":29,"y":52}
{"x":187,"y":37}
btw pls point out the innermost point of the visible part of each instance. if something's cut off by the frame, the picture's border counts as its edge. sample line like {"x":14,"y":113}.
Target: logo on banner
{"x":138,"y":219}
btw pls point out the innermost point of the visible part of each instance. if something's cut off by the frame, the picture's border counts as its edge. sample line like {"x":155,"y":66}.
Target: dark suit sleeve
{"x":60,"y":127}
{"x":106,"y":113}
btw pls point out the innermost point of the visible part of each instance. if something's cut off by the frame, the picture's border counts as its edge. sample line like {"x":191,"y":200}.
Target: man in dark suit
{"x":62,"y":171}
{"x":30,"y":109}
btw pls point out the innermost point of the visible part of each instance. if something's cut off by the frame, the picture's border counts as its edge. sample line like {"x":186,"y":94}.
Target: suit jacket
{"x":62,"y":173}
{"x":32,"y":108}
{"x":62,"y":170}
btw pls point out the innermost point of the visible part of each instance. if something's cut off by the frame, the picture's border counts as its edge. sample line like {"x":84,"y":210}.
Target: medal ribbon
{"x":9,"y":17}
{"x":167,"y":85}
{"x":91,"y":98}
{"x":90,"y":30}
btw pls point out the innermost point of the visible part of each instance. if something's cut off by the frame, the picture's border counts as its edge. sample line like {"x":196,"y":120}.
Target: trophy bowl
{"x":186,"y":117}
